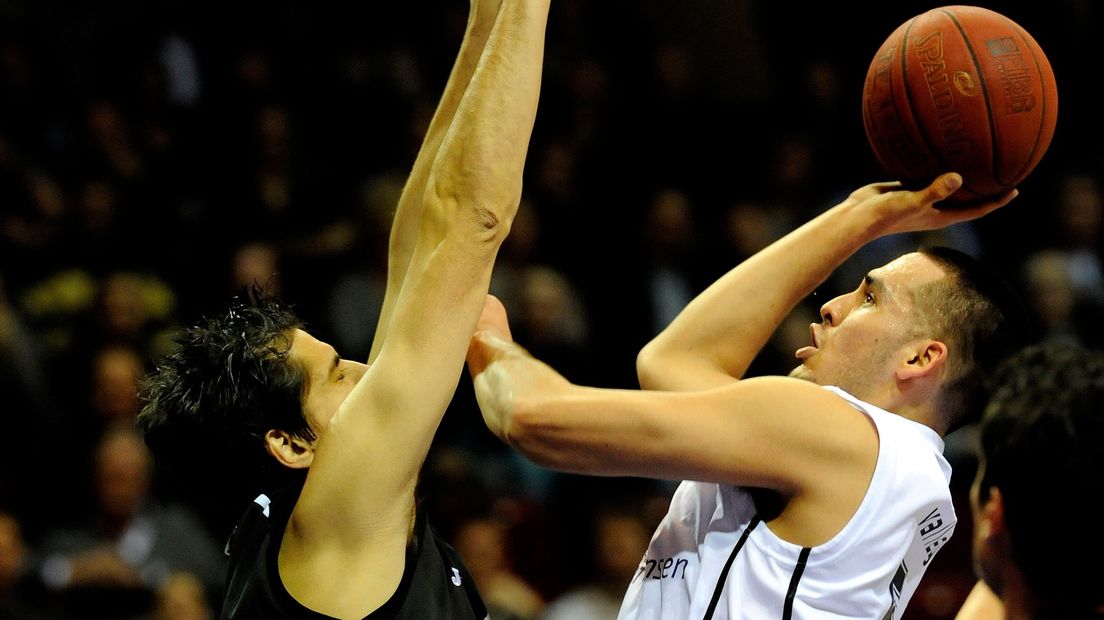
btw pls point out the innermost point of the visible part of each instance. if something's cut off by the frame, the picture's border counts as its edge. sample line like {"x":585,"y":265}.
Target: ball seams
{"x":993,"y":135}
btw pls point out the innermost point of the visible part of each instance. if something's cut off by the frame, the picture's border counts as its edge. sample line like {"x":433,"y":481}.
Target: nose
{"x":833,"y":311}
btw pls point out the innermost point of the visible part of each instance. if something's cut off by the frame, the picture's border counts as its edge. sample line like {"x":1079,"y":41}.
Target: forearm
{"x":577,"y":429}
{"x":557,"y":425}
{"x":408,"y":213}
{"x":721,"y":331}
{"x":465,"y":217}
{"x":478,"y":172}
{"x":717,"y":336}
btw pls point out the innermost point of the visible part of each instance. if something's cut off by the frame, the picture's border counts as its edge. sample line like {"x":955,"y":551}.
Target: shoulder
{"x":268,"y":512}
{"x":251,"y":529}
{"x":789,"y":392}
{"x":800,"y":409}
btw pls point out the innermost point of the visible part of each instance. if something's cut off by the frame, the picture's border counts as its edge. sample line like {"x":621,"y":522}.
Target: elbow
{"x":649,"y":366}
{"x":470,"y":209}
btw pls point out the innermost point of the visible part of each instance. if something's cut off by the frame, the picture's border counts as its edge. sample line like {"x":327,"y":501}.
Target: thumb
{"x":485,"y":347}
{"x":942,"y":187}
{"x":493,"y":319}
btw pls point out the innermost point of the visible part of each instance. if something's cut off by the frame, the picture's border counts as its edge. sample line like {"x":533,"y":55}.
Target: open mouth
{"x":807,"y":351}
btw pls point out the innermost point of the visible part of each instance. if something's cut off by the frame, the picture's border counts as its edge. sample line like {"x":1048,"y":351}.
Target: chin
{"x":801,"y":372}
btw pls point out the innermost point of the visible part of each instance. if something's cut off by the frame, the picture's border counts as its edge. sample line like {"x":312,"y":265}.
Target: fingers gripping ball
{"x":960,"y":88}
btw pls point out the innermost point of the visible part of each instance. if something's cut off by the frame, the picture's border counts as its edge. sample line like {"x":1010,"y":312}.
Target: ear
{"x":990,"y":519}
{"x":289,"y":450}
{"x":926,"y":359}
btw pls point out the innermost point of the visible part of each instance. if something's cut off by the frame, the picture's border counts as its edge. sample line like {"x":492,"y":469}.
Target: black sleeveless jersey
{"x":434,"y":584}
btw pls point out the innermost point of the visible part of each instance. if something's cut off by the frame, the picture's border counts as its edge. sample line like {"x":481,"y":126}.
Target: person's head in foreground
{"x":1040,"y":478}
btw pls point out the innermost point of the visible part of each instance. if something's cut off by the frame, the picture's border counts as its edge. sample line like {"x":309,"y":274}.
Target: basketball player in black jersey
{"x":1038,"y":484}
{"x":344,"y":539}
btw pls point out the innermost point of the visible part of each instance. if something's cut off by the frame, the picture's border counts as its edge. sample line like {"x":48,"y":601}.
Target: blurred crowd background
{"x":157,"y":156}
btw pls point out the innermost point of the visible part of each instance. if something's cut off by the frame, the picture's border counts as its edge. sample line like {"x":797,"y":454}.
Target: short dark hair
{"x":229,"y":381}
{"x":982,"y":320}
{"x":1042,"y":445}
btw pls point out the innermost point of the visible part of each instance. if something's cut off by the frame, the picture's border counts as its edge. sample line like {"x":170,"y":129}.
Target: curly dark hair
{"x":229,"y":382}
{"x":1042,"y":445}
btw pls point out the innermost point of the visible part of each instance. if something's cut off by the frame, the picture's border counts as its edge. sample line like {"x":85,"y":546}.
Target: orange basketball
{"x":960,"y":89}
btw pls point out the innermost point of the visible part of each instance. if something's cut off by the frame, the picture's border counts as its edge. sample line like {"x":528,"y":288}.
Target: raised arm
{"x":715,"y":338}
{"x":408,"y":213}
{"x":367,"y":460}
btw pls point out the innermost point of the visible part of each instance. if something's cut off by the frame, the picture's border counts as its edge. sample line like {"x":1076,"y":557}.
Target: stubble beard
{"x":803,"y":373}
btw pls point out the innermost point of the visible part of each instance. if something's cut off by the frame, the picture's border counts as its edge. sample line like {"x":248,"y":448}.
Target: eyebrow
{"x":873,"y":282}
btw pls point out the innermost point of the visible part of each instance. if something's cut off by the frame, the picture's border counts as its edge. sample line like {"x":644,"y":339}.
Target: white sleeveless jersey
{"x":713,"y":558}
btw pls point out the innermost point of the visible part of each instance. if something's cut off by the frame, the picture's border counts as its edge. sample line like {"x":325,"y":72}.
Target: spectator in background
{"x":113,"y":394}
{"x":552,"y":320}
{"x":1037,"y":493}
{"x":748,"y":227}
{"x":619,"y":540}
{"x":129,"y":307}
{"x":255,"y":263}
{"x":97,"y":237}
{"x":182,"y":597}
{"x":17,"y":602}
{"x":670,"y":240}
{"x":125,"y":553}
{"x":29,"y":413}
{"x":356,"y":295}
{"x":484,"y":544}
{"x":1050,"y":295}
{"x":1060,"y":309}
{"x":1081,"y":228}
{"x":81,"y":314}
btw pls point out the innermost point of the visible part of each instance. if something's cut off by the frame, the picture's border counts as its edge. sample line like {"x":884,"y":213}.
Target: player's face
{"x":861,"y":337}
{"x":330,"y":378}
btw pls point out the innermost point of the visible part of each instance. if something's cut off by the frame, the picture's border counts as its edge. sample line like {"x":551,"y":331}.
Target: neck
{"x":920,"y":412}
{"x":927,"y":417}
{"x":919,"y":400}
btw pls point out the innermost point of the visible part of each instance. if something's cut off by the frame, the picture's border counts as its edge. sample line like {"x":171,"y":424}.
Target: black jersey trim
{"x":724,"y":571}
{"x":787,"y":611}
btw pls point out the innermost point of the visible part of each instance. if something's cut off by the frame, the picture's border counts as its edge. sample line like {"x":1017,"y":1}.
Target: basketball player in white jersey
{"x":819,"y":495}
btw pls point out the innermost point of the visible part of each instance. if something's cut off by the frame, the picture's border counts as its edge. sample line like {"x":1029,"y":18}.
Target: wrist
{"x":857,"y":223}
